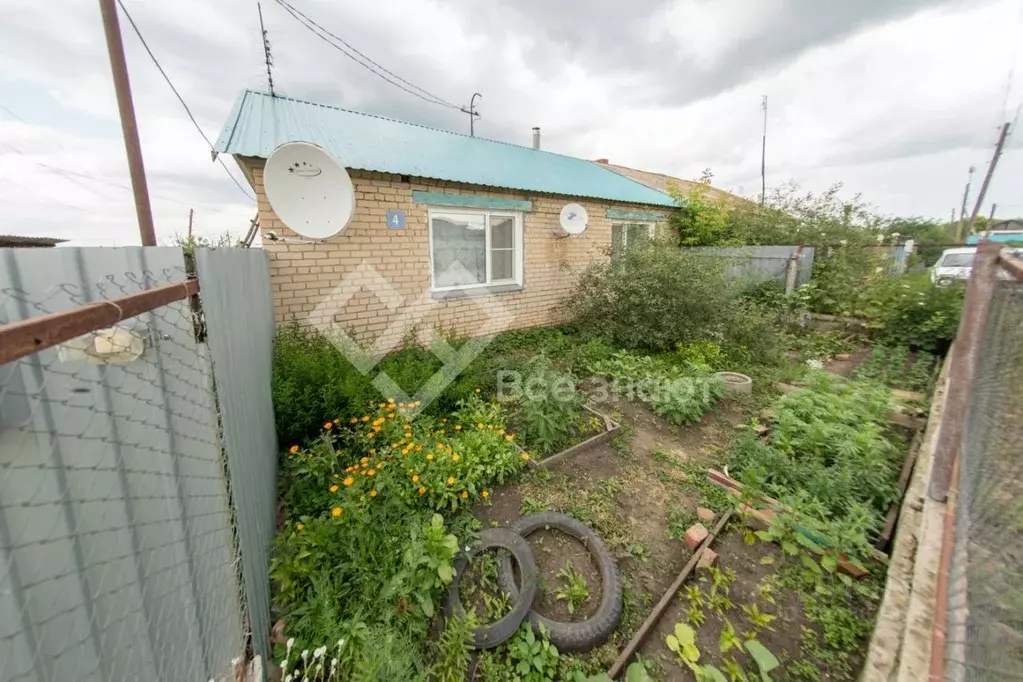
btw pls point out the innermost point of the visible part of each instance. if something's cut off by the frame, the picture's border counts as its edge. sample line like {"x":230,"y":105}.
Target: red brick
{"x":695,"y":535}
{"x":707,"y":559}
{"x":705,"y":515}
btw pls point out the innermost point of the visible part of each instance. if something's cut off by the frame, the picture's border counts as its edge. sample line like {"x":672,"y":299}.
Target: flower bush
{"x":362,"y":548}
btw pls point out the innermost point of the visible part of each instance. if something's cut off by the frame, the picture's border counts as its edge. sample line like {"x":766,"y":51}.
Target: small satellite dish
{"x":574,"y":218}
{"x":309,"y":190}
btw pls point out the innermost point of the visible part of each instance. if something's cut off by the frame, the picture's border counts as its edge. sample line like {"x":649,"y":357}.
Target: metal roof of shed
{"x":260,"y":123}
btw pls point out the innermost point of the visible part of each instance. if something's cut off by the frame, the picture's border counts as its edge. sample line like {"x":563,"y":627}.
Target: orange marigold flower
{"x":458,"y":427}
{"x":443,"y":420}
{"x":333,"y":488}
{"x":401,"y":404}
{"x":370,"y":436}
{"x":501,"y":432}
{"x":525,"y":456}
{"x":440,"y":446}
{"x":376,"y":429}
{"x":371,"y":472}
{"x":372,"y":493}
{"x":465,"y":495}
{"x":510,"y":436}
{"x":479,"y":426}
{"x":429,"y":457}
{"x":337,"y":421}
{"x":299,"y":526}
{"x":484,"y":494}
{"x":455,"y":458}
{"x":328,"y":425}
{"x":390,"y":416}
{"x":293,"y":449}
{"x":354,"y":420}
{"x":364,"y":460}
{"x":418,"y":403}
{"x":348,"y":481}
{"x":422,"y":490}
{"x":477,"y":390}
{"x":365,"y":417}
{"x":382,"y":405}
{"x":372,"y":451}
{"x":451,"y":480}
{"x":415,"y":478}
{"x":336,"y":512}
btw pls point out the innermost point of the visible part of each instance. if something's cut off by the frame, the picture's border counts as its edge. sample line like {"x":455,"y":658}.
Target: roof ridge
{"x":417,"y":125}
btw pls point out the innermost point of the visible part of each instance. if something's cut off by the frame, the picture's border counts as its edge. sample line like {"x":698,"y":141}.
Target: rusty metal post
{"x":129,"y":127}
{"x":965,"y":353}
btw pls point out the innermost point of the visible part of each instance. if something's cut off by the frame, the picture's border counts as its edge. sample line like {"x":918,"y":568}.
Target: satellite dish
{"x":309,"y":190}
{"x":574,"y":218}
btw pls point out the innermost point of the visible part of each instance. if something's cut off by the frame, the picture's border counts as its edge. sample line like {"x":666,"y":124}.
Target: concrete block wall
{"x":306,"y":276}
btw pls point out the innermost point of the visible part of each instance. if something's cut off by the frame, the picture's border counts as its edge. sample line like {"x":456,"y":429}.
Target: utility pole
{"x":763,"y":156}
{"x":191,"y":213}
{"x":987,"y":178}
{"x":267,"y":56}
{"x":472,"y":113}
{"x":962,"y":211}
{"x":129,"y":127}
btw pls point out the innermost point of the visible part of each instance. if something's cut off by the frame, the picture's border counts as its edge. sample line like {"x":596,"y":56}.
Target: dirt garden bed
{"x":640,"y":492}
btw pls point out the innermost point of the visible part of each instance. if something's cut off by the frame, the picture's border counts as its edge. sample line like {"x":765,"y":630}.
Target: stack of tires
{"x":567,"y":636}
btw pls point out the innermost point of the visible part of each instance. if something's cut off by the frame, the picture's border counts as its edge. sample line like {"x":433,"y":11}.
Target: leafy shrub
{"x":684,"y":400}
{"x":549,"y":410}
{"x":658,"y":297}
{"x":829,"y":443}
{"x":362,"y":549}
{"x":679,"y":395}
{"x":312,"y":379}
{"x":893,"y":366}
{"x":913,"y":312}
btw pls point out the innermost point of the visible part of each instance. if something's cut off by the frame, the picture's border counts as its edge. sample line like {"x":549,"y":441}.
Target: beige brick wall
{"x":304,"y":275}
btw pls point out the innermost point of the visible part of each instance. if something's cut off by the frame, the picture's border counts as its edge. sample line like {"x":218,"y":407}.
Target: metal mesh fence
{"x":117,"y":542}
{"x":985,"y":596}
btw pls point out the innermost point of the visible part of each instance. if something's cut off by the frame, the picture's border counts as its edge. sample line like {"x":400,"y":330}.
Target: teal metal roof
{"x":259,"y":123}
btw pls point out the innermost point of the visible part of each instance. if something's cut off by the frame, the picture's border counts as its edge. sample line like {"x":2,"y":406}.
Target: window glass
{"x":459,"y":249}
{"x":502,"y":248}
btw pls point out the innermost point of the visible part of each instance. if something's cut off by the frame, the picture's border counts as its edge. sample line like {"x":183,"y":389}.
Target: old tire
{"x":587,"y":634}
{"x":493,"y":634}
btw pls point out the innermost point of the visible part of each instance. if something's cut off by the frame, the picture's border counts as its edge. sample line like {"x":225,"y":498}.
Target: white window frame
{"x":622,"y":225}
{"x":518,"y":246}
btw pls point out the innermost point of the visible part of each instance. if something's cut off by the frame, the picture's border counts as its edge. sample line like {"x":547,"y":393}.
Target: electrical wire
{"x":177,"y":94}
{"x":368,"y":64}
{"x":65,"y":173}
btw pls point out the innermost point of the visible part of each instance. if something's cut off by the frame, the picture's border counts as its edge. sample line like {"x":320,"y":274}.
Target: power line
{"x":182,"y":101}
{"x":64,"y":173}
{"x":365,"y":61}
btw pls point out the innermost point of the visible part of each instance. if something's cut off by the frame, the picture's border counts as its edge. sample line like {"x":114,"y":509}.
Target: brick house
{"x":493,"y":207}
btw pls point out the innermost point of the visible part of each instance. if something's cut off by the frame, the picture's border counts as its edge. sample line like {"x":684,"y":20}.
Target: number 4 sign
{"x":395,"y":220}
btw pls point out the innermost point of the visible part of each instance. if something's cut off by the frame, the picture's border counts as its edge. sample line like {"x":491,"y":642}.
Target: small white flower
{"x":341,"y":643}
{"x":284,"y":664}
{"x":318,"y":653}
{"x":287,"y":678}
{"x":844,"y":242}
{"x":291,"y":643}
{"x":305,"y":654}
{"x":333,"y":663}
{"x":813,"y":363}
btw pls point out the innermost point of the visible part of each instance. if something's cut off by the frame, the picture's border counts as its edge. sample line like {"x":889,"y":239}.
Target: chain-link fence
{"x":118,"y":545}
{"x":983,"y":636}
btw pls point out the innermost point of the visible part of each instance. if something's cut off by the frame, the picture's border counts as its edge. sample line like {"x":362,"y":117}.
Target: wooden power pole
{"x":962,"y":210}
{"x":763,"y":156}
{"x":987,"y":177}
{"x":129,"y":127}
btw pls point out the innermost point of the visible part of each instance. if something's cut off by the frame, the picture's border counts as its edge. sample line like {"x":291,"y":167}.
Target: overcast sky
{"x":894,"y":98}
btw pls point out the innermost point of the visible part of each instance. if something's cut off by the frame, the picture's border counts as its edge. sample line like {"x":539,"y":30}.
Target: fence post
{"x":965,"y":353}
{"x":793,"y":270}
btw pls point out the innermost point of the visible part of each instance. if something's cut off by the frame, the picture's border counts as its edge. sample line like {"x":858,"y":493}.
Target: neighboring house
{"x":662,"y":182}
{"x":493,"y":207}
{"x":1004,"y":231}
{"x":10,"y":241}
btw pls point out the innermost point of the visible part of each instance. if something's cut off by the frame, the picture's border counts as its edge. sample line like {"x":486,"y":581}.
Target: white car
{"x":954,"y":264}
